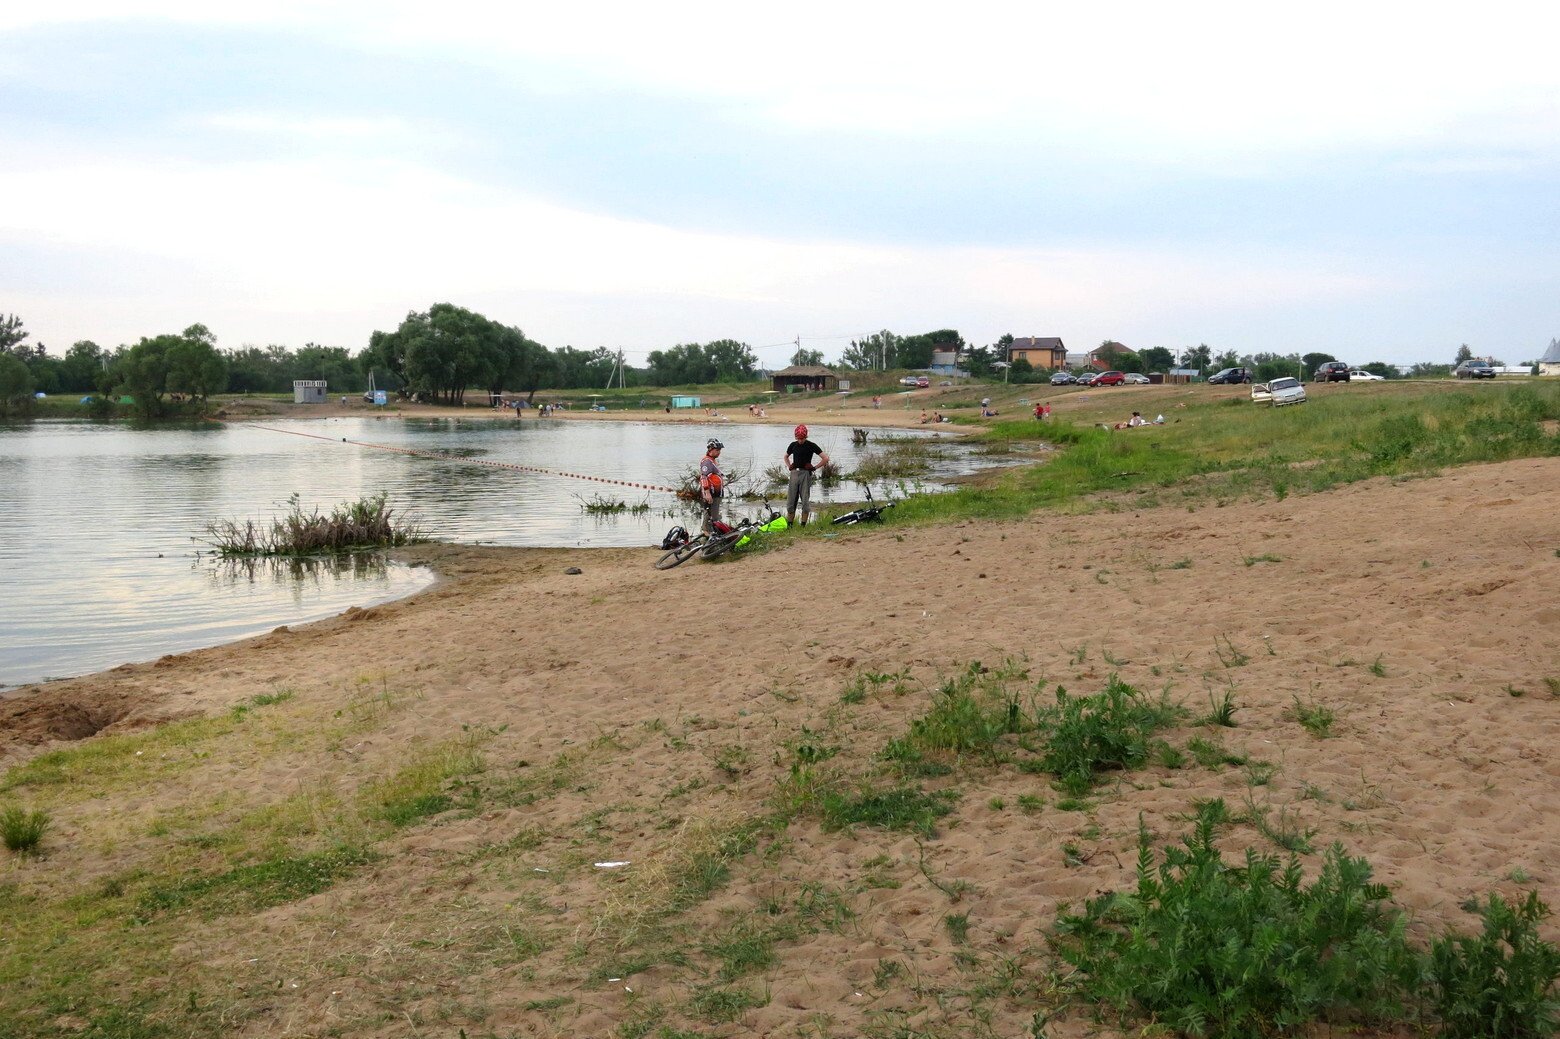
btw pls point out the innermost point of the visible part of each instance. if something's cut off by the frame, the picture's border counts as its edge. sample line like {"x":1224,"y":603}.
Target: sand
{"x":1425,"y":612}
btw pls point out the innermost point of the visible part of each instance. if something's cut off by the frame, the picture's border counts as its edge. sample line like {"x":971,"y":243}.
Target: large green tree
{"x":1199,"y":356}
{"x":194,"y":365}
{"x":1157,"y":359}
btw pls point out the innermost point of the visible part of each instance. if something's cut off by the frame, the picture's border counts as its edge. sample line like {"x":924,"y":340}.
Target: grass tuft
{"x":21,"y":830}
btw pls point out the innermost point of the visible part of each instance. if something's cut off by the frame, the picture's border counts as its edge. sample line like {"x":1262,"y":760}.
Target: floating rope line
{"x":442,"y":457}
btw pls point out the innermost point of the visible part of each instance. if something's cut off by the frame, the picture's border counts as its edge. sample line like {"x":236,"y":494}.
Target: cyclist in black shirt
{"x":799,"y":455}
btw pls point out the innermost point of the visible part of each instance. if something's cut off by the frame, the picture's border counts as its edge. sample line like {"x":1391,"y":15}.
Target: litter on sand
{"x":610,"y":865}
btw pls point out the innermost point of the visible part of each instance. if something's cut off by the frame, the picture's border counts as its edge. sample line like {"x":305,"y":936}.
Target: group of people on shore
{"x":803,"y":459}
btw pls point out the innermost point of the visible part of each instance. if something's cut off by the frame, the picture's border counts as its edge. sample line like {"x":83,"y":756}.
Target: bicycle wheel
{"x":721,"y":545}
{"x":848,"y":518}
{"x":681,"y":553}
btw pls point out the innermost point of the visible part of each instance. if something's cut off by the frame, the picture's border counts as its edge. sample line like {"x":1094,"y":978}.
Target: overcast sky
{"x":1381,"y":182}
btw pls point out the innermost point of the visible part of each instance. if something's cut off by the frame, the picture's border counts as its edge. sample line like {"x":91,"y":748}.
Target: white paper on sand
{"x":610,"y":865}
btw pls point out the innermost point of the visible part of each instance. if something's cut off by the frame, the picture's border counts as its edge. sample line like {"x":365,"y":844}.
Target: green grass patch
{"x":279,"y":879}
{"x":21,"y":830}
{"x":1218,"y":452}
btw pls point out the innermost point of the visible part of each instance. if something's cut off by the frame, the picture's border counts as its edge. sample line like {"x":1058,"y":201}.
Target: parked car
{"x":1109,"y":379}
{"x":1333,"y":371}
{"x":1279,"y":392}
{"x":1138,"y":380}
{"x":1474,"y":370}
{"x":1230,"y":375}
{"x":1087,"y":378}
{"x":910,"y":381}
{"x":1063,"y":379}
{"x":923,"y":381}
{"x":1361,"y":375}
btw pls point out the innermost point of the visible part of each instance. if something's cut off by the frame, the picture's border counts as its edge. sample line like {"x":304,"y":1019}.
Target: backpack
{"x":675,"y":537}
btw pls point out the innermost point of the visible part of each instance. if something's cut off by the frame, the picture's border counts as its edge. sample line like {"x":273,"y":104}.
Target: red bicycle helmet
{"x":801,"y":432}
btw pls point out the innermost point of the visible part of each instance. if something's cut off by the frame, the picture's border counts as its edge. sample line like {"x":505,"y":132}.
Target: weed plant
{"x":21,"y":830}
{"x":1088,"y":735}
{"x":970,"y":715}
{"x":366,"y":523}
{"x":1314,"y":718}
{"x":1499,"y":984}
{"x":1209,"y":949}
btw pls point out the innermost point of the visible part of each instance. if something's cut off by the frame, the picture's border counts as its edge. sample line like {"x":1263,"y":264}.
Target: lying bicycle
{"x":871,"y":512}
{"x":743,"y":532}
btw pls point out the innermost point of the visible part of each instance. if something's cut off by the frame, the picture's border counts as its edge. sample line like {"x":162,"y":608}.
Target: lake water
{"x":97,"y":521}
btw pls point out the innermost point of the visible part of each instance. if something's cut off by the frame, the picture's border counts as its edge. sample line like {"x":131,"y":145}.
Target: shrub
{"x":21,"y":830}
{"x":1109,"y":730}
{"x":1215,"y":950}
{"x":366,"y":523}
{"x":1499,"y":984}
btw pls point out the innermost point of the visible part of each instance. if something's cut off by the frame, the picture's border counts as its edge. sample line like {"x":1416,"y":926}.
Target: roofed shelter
{"x":806,"y":378}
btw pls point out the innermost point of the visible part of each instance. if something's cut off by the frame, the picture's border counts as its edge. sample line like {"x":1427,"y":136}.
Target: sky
{"x":1374,"y":181}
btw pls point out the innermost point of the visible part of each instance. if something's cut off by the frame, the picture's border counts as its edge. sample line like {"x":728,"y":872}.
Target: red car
{"x":1109,"y":379}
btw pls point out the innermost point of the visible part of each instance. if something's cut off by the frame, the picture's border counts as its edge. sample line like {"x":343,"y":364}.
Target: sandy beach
{"x":645,"y":711}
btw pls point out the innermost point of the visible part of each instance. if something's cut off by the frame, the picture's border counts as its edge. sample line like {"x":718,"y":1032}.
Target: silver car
{"x":1279,"y":392}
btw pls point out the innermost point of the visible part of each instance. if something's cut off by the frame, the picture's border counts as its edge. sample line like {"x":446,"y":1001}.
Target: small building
{"x":1183,"y":375}
{"x":806,"y":378}
{"x":685,"y":402}
{"x":1549,"y":364}
{"x":1039,"y":351}
{"x":308,"y":391}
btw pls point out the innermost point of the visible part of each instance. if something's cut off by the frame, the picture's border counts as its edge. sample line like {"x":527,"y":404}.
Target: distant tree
{"x":16,"y":384}
{"x":1427,"y":370}
{"x":978,"y":360}
{"x":1199,"y":357}
{"x":1381,"y":368}
{"x":1157,"y":359}
{"x":731,"y":360}
{"x":1109,"y":350}
{"x":12,"y":334}
{"x":1313,"y":361}
{"x":1464,"y":353}
{"x":804,"y":357}
{"x":194,"y":366}
{"x":82,"y":367}
{"x":142,"y":372}
{"x":1227,"y":359}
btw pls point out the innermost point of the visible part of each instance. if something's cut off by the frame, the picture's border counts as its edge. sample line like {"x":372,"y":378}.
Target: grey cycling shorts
{"x":800,"y":490}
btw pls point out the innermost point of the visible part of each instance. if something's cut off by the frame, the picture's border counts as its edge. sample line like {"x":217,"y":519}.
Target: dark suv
{"x":1230,"y":375}
{"x":1333,"y":371}
{"x":1475,"y":370}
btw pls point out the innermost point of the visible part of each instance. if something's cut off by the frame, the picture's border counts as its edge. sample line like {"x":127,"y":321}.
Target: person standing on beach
{"x":712,"y":484}
{"x":799,"y":455}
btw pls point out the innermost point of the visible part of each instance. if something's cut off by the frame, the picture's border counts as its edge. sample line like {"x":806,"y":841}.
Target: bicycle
{"x":739,"y":535}
{"x":871,"y":512}
{"x":683,"y":551}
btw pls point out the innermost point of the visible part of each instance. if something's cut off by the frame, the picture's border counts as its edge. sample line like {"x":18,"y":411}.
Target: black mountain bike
{"x":683,"y":550}
{"x":871,"y":512}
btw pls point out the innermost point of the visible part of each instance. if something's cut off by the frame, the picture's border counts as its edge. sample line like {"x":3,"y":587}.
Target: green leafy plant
{"x":1499,"y":984}
{"x":1209,"y":949}
{"x":1093,"y":734}
{"x":1228,"y":655}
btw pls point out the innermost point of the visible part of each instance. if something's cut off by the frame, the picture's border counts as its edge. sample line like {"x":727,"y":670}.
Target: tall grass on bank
{"x":366,"y":523}
{"x":1233,"y":448}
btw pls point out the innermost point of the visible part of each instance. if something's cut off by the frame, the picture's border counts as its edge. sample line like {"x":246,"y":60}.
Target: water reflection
{"x":224,"y":573}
